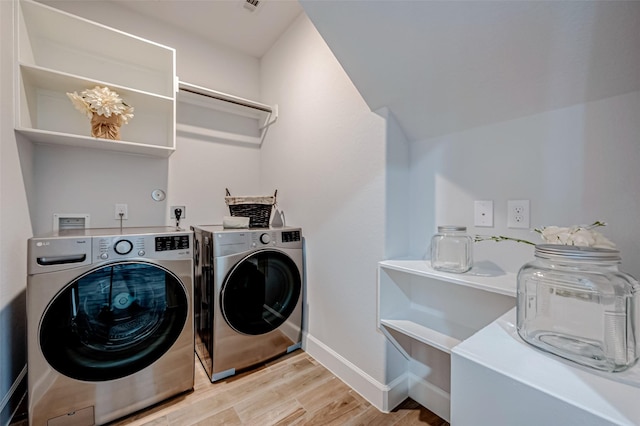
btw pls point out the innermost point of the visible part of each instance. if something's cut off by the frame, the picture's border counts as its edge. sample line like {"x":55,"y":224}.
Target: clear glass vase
{"x":452,"y":249}
{"x":575,"y":303}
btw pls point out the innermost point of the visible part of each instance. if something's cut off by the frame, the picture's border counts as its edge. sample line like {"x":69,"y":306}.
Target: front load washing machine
{"x":110,"y":323}
{"x":247,"y":296}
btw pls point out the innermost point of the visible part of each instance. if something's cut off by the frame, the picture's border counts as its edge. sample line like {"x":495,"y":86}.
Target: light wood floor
{"x":292,"y":390}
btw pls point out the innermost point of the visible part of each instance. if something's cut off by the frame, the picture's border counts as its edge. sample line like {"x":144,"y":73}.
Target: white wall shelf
{"x":414,"y":329}
{"x":492,"y":280}
{"x":60,"y":53}
{"x":439,"y":310}
{"x":260,"y":116}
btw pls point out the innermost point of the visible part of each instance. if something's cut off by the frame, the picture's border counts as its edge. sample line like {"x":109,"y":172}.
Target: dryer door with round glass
{"x":260,"y":292}
{"x":113,"y":321}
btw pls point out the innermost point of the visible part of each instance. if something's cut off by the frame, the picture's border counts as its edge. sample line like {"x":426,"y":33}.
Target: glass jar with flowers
{"x":574,"y":302}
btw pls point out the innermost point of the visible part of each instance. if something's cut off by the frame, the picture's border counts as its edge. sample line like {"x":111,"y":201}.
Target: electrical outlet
{"x":121,"y":208}
{"x":483,"y":213}
{"x":183,"y":214}
{"x":518,"y":214}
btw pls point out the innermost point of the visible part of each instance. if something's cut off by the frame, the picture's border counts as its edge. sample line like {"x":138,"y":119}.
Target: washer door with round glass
{"x":260,"y":292}
{"x":113,"y":321}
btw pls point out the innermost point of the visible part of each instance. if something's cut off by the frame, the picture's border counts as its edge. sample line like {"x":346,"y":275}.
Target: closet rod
{"x":202,"y":91}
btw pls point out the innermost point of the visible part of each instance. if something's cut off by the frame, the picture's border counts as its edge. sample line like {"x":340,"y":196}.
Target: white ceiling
{"x":226,"y":22}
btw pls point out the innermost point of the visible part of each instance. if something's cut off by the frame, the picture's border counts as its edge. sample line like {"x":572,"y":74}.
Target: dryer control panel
{"x":227,"y":242}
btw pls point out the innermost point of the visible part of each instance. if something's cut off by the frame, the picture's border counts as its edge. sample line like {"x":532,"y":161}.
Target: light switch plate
{"x":483,"y":213}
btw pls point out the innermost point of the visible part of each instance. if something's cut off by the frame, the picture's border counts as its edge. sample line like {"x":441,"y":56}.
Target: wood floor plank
{"x":336,"y":412}
{"x":228,"y":417}
{"x":292,"y":419}
{"x":275,"y":414}
{"x":315,"y":398}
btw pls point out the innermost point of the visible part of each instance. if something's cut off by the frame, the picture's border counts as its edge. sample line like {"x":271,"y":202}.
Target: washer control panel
{"x":165,"y":246}
{"x":172,"y":242}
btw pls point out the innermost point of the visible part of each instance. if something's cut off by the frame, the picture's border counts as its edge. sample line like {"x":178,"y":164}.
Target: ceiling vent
{"x":252,"y":5}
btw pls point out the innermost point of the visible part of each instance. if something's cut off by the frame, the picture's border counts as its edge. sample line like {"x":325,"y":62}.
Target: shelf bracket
{"x":271,"y":118}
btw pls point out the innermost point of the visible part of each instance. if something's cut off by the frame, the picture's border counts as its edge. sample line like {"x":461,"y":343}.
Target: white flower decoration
{"x":102,"y":101}
{"x":578,"y":235}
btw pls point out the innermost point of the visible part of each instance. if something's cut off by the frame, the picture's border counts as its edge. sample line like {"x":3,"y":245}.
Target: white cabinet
{"x":59,"y":53}
{"x":499,"y":379}
{"x":436,"y":311}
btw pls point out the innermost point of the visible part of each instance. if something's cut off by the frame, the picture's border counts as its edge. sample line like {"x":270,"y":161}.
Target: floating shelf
{"x":421,"y":333}
{"x":491,"y":280}
{"x":262,"y":115}
{"x":53,"y":60}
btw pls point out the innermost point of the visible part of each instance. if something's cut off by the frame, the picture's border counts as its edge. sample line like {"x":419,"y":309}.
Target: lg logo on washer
{"x":46,"y":243}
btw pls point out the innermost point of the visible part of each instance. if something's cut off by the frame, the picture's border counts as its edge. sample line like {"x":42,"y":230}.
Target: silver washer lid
{"x":560,"y":251}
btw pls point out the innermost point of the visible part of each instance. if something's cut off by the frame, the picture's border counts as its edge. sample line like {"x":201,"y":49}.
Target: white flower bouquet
{"x":106,"y":110}
{"x":577,"y":235}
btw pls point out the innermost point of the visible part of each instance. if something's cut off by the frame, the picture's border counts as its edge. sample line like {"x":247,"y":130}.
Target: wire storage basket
{"x":257,"y":209}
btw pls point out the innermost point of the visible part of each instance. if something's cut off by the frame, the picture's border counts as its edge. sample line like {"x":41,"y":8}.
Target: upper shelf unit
{"x":229,"y":126}
{"x":59,"y":53}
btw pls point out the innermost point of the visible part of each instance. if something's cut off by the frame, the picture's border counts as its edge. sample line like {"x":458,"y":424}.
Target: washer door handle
{"x":61,"y":260}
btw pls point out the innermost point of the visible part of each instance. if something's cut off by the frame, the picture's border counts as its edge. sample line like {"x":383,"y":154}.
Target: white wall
{"x":15,"y":228}
{"x":195,"y":176}
{"x":576,"y":165}
{"x":326,"y":157}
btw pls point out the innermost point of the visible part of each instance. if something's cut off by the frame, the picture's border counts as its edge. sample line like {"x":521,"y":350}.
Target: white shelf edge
{"x":503,"y":283}
{"x":421,"y":333}
{"x":64,"y":75}
{"x":55,"y":138}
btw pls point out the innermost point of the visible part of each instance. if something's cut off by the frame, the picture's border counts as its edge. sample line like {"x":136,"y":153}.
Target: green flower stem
{"x":499,"y":238}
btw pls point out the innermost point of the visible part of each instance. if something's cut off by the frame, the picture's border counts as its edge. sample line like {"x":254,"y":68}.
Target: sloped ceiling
{"x":447,"y":66}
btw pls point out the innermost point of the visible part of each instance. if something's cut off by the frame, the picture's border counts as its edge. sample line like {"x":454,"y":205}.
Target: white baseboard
{"x":384,"y":397}
{"x":430,"y":396}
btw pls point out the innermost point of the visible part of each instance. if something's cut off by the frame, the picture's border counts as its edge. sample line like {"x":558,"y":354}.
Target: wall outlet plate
{"x":121,"y":208}
{"x":483,"y":213}
{"x":172,"y":212}
{"x":518,"y":214}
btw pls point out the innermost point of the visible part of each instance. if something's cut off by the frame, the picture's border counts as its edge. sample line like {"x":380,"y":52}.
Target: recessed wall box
{"x":64,"y":221}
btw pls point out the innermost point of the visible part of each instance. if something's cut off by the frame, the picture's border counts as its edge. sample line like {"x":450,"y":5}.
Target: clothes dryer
{"x":110,"y":323}
{"x":248,"y":296}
